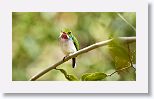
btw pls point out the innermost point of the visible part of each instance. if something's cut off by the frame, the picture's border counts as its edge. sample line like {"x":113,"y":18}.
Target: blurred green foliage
{"x":35,"y":44}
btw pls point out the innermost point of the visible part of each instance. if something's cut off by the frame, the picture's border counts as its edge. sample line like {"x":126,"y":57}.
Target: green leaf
{"x":72,"y":78}
{"x":84,"y":76}
{"x":63,"y":71}
{"x":93,"y":76}
{"x":67,"y":76}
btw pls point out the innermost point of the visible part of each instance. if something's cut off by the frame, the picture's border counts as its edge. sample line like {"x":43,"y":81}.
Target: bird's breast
{"x":67,"y":46}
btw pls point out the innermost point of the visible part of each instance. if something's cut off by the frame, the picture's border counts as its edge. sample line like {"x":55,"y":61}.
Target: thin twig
{"x":84,"y":50}
{"x":129,"y":56}
{"x":126,"y":21}
{"x":119,"y":70}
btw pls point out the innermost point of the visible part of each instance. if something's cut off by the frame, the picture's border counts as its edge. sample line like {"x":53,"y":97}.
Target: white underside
{"x":67,"y":46}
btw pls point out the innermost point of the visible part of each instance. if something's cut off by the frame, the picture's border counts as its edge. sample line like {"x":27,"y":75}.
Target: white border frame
{"x":9,"y":86}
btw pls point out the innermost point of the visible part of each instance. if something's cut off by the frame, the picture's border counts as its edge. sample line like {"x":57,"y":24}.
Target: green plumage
{"x":75,"y":41}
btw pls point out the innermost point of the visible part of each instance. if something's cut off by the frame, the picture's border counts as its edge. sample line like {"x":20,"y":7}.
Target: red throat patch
{"x":64,"y":36}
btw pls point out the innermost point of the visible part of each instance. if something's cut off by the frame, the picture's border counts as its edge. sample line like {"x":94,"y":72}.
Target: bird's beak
{"x":67,"y":36}
{"x":60,"y":34}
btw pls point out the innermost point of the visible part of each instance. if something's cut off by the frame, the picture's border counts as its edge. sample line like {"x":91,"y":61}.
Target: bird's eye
{"x":69,"y":32}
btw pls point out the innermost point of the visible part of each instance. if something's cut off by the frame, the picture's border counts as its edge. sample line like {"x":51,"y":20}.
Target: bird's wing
{"x":76,"y":43}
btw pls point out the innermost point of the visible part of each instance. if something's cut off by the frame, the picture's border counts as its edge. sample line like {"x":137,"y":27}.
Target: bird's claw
{"x":65,"y":57}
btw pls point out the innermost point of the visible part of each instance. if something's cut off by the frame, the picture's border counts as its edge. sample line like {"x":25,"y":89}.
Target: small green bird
{"x":69,"y":44}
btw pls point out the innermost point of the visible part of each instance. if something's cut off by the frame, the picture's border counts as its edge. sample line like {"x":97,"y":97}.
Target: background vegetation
{"x":35,"y":44}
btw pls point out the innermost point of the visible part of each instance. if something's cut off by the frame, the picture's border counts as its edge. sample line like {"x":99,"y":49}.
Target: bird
{"x":69,"y":44}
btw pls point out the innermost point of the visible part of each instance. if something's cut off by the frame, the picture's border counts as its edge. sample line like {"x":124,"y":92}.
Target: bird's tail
{"x":73,"y":62}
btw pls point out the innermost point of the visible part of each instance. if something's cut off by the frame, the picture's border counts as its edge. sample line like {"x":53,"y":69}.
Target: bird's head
{"x":66,"y":33}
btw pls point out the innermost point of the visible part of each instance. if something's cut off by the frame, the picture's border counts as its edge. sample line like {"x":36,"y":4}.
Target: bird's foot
{"x":65,"y":57}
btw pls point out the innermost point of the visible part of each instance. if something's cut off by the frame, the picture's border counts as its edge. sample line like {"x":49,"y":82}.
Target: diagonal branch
{"x":126,"y":21}
{"x":84,"y":50}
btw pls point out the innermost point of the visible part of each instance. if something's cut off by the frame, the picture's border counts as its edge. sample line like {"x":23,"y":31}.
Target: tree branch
{"x":84,"y":50}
